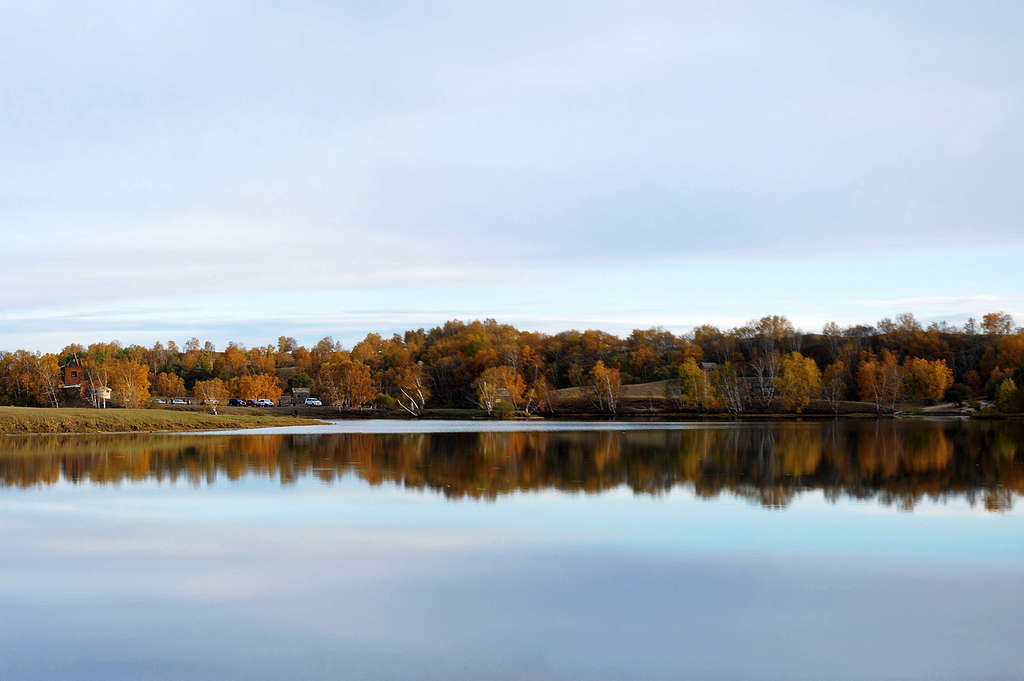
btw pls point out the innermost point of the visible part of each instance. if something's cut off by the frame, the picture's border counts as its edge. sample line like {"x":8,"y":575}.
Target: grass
{"x":31,"y":420}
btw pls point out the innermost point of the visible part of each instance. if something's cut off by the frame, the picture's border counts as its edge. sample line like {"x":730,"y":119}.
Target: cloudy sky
{"x":240,"y":170}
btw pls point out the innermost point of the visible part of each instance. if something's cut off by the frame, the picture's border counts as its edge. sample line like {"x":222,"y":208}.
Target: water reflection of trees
{"x":898,"y":462}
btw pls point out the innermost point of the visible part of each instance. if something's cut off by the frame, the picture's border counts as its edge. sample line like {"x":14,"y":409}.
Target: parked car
{"x":250,"y":403}
{"x":264,"y":402}
{"x":235,"y":402}
{"x":313,"y":402}
{"x":178,"y":400}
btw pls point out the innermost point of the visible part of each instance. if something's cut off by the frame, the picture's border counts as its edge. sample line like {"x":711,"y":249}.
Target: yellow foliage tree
{"x":798,"y":383}
{"x":606,"y":386}
{"x":346,"y":382}
{"x":486,"y":392}
{"x":411,"y":382}
{"x":129,"y":382}
{"x":213,"y":394}
{"x":696,"y":391}
{"x":924,"y":380}
{"x":47,"y":378}
{"x":1005,"y":393}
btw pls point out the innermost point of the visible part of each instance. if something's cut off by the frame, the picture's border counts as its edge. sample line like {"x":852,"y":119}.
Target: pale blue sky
{"x":241,"y":170}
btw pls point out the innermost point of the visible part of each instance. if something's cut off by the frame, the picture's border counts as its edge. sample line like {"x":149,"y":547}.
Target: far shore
{"x":40,"y":421}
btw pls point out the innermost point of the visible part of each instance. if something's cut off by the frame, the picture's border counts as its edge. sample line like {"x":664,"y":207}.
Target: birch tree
{"x":606,"y":386}
{"x":129,"y":381}
{"x":212,"y":394}
{"x":833,"y":385}
{"x":48,"y":375}
{"x":729,"y":386}
{"x":412,"y":383}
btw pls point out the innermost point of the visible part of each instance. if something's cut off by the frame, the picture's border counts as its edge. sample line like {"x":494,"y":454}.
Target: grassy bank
{"x":29,"y":420}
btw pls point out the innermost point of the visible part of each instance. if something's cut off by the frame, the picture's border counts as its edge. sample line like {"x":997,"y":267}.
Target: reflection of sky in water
{"x":257,"y":580}
{"x":675,"y":522}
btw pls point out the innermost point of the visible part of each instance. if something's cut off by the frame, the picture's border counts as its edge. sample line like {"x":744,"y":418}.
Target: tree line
{"x":766,"y":365}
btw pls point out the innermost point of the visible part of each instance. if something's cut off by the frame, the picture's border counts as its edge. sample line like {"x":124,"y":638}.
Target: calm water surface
{"x":433,"y":550}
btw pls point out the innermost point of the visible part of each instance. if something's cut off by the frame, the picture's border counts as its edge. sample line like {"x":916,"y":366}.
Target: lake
{"x":506,"y":550}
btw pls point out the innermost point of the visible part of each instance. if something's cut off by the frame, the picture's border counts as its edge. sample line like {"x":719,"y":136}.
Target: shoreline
{"x":79,"y":421}
{"x":29,"y":421}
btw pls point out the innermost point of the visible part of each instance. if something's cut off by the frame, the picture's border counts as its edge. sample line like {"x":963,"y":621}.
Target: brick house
{"x":72,"y":374}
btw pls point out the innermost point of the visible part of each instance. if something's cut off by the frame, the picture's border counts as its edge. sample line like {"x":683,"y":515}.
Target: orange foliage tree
{"x":880,"y":380}
{"x":255,"y":386}
{"x":169,"y":385}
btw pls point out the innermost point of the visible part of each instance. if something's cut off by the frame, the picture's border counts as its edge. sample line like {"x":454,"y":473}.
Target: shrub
{"x":385,"y":401}
{"x":959,"y":393}
{"x":504,"y":410}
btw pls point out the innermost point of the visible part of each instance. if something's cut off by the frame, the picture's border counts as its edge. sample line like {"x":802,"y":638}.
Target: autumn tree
{"x":18,"y":377}
{"x":543,"y":396}
{"x":834,"y":340}
{"x":412,"y":384}
{"x":501,"y":384}
{"x":230,"y":363}
{"x":213,"y":394}
{"x":1005,"y":394}
{"x":730,"y":387}
{"x":605,"y":386}
{"x":256,"y":386}
{"x":486,"y":392}
{"x":770,"y":336}
{"x":833,"y":384}
{"x":198,"y":360}
{"x":129,"y":381}
{"x":997,"y":324}
{"x":880,"y":380}
{"x":924,"y":380}
{"x":799,"y":382}
{"x":346,"y":383}
{"x":169,"y":385}
{"x":695,"y":390}
{"x":261,"y":360}
{"x":97,"y":386}
{"x":47,"y":378}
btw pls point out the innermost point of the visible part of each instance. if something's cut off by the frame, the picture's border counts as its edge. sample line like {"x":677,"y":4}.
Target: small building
{"x":72,"y":374}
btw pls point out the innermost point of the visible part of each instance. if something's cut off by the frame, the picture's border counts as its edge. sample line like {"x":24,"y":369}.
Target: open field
{"x":27,"y":420}
{"x":653,"y":398}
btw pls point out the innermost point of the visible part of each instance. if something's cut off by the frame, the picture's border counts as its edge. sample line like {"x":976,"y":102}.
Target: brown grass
{"x":30,"y":420}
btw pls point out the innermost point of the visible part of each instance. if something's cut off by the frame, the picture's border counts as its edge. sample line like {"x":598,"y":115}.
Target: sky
{"x":237,"y":171}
